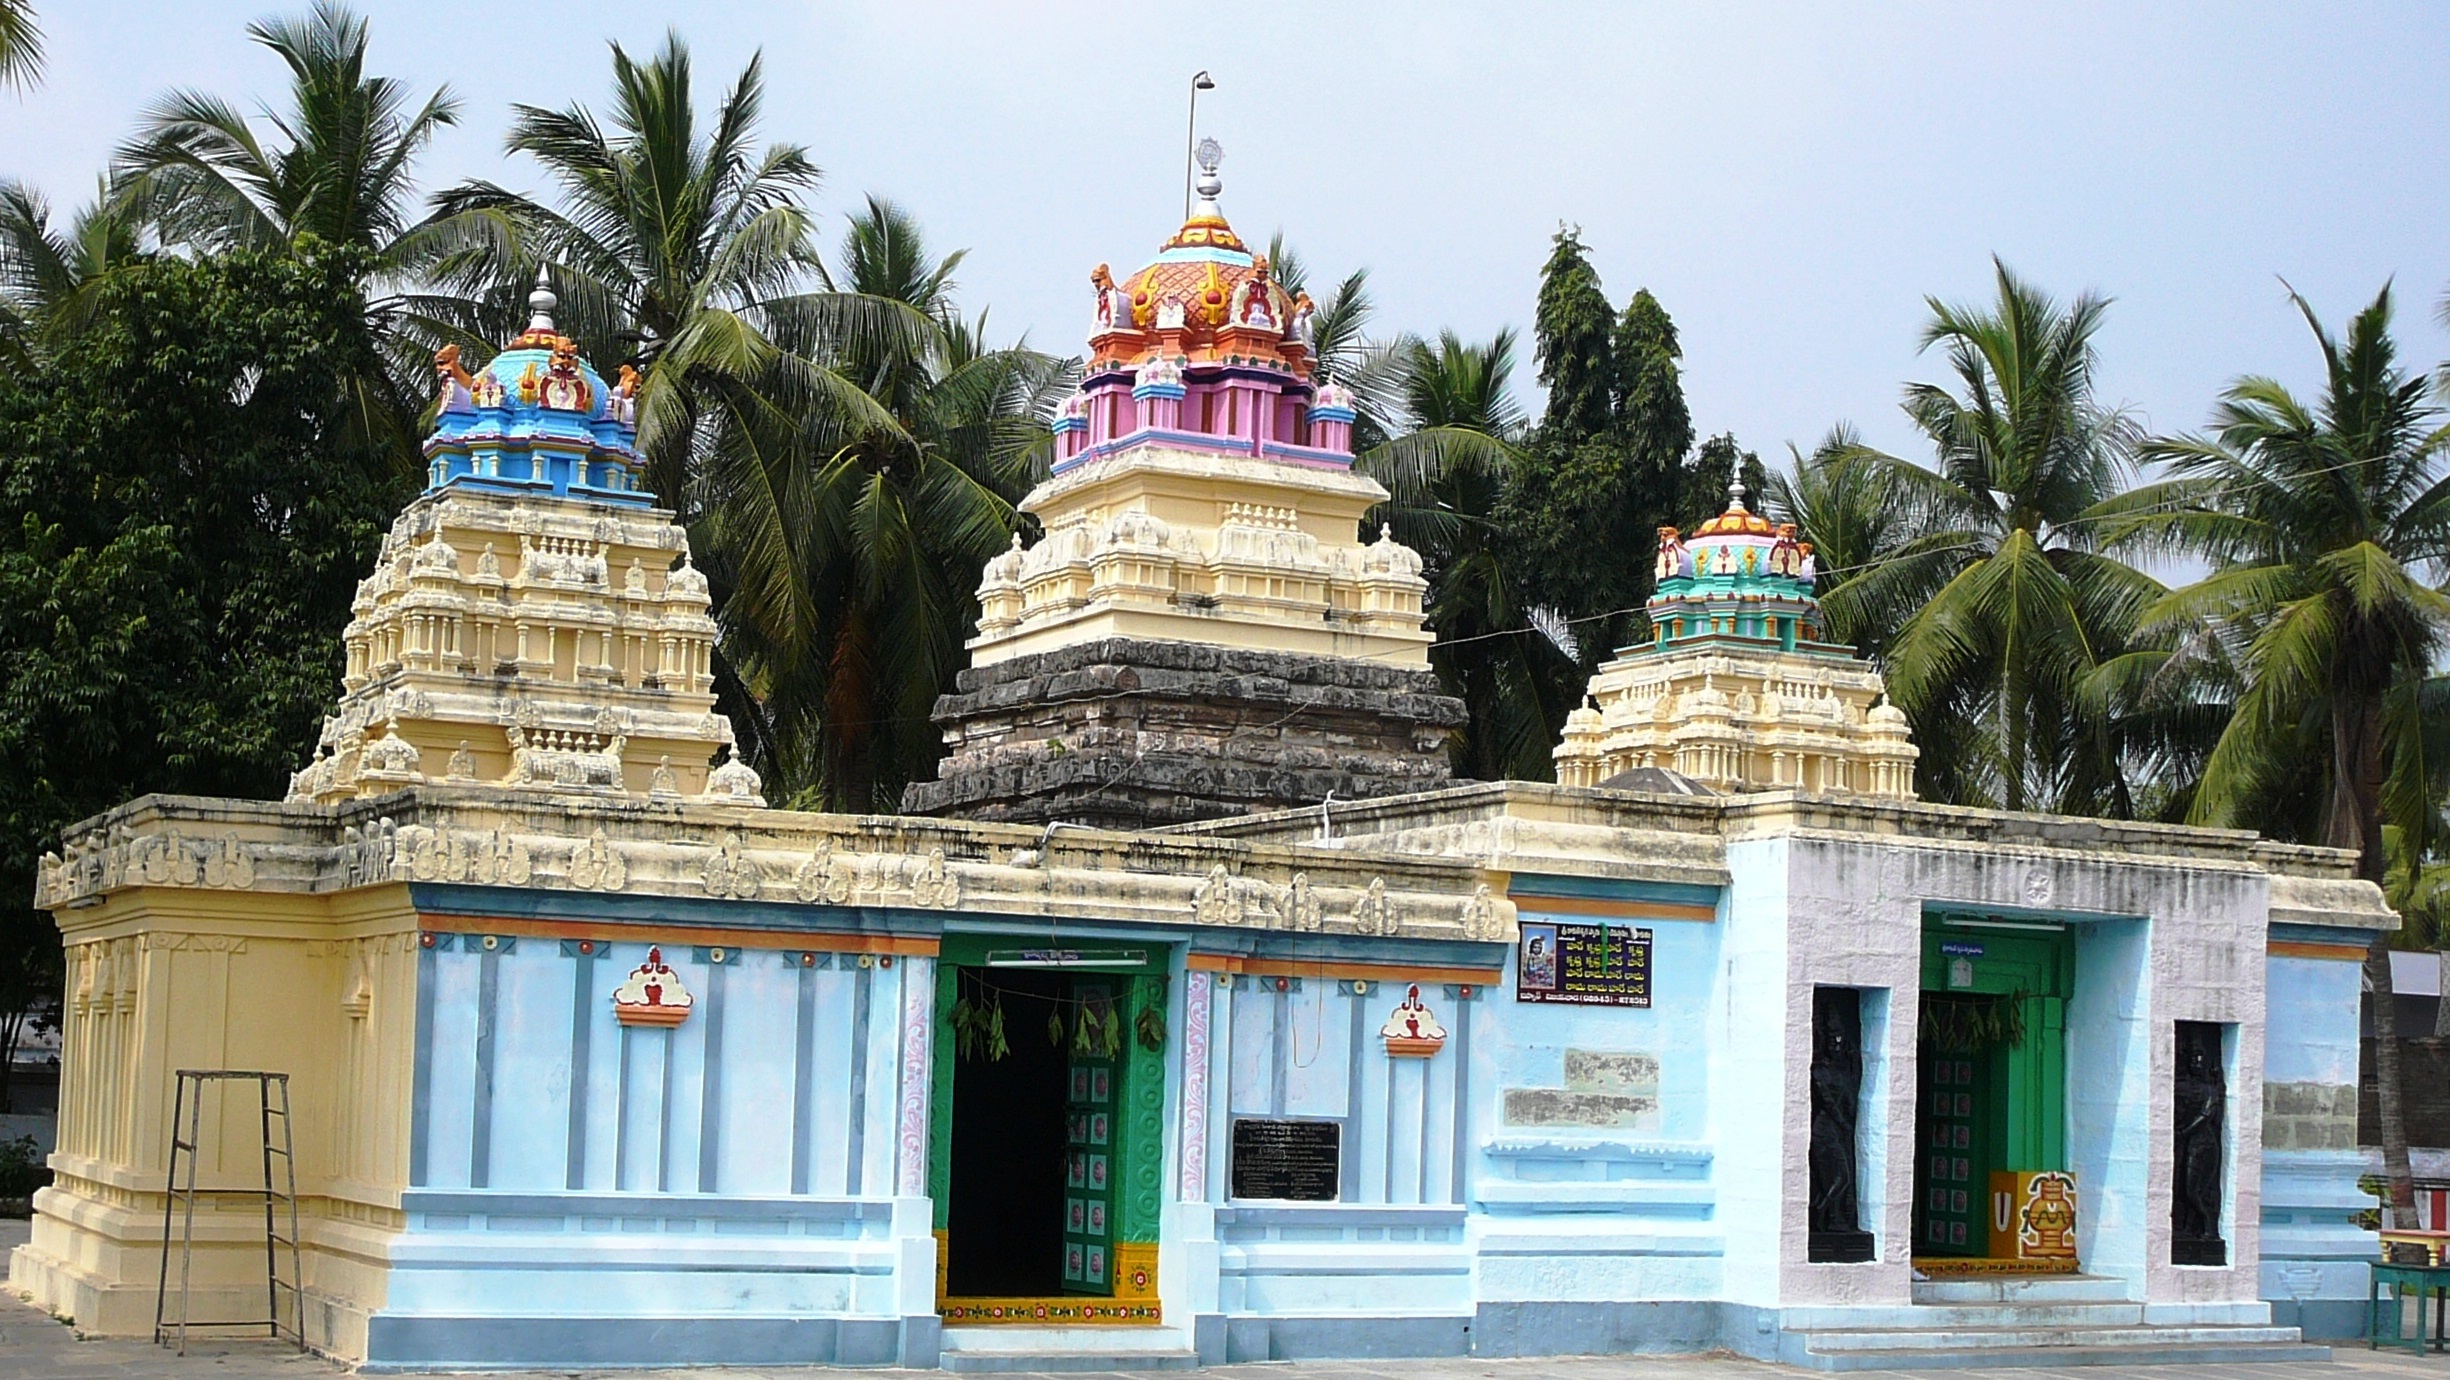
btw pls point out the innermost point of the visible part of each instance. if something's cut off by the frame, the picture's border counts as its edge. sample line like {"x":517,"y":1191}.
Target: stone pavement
{"x":34,"y":1347}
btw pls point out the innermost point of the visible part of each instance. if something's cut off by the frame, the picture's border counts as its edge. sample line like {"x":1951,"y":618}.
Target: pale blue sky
{"x":1790,"y":181}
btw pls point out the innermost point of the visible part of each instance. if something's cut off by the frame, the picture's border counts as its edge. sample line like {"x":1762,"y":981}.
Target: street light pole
{"x":1199,"y":83}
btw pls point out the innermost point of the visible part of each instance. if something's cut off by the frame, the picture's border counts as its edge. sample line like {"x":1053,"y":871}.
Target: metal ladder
{"x":186,"y":1122}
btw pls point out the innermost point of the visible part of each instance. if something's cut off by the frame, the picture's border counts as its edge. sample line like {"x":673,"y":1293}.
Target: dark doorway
{"x":1004,"y":1224}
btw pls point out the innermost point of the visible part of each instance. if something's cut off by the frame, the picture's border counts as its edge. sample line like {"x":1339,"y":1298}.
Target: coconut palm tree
{"x":1339,"y":327}
{"x":842,"y":451}
{"x":1454,"y":426}
{"x":21,"y":45}
{"x":2323,"y":523}
{"x":337,"y":163}
{"x":2001,"y":599}
{"x":335,"y":167}
{"x":907,"y":514}
{"x":49,"y":279}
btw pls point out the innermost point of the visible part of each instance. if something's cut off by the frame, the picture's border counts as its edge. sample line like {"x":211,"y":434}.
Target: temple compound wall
{"x":498,"y":1168}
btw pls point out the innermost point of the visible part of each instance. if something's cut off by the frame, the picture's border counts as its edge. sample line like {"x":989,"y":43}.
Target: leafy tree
{"x":1338,"y":328}
{"x":1650,"y":414}
{"x":1843,"y":501}
{"x":21,"y":45}
{"x":2002,"y":601}
{"x":50,"y":280}
{"x":2320,"y":521}
{"x":1455,"y":424}
{"x":843,"y":453}
{"x":337,"y":168}
{"x":909,"y":514}
{"x":1702,"y":486}
{"x":183,"y":521}
{"x":1571,"y":335}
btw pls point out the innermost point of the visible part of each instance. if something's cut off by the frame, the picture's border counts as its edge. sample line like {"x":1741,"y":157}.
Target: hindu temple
{"x":1193,"y":1014}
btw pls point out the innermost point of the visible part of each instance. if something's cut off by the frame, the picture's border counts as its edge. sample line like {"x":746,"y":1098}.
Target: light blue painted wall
{"x":2314,"y":1260}
{"x":2109,"y":1094}
{"x":686,"y":1142}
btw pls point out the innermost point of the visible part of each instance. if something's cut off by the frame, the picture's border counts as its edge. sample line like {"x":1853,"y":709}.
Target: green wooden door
{"x":1954,"y":1114}
{"x":1995,"y":1103}
{"x":1091,"y":1101}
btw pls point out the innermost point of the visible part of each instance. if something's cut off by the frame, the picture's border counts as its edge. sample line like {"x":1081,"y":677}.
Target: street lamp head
{"x":1202,"y":83}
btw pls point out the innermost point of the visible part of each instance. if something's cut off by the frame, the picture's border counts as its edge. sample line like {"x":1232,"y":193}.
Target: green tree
{"x":909,"y":513}
{"x":2002,"y":601}
{"x":1702,"y":487}
{"x":1572,"y":338}
{"x":837,"y":443}
{"x":1454,"y":426}
{"x":2320,"y":522}
{"x":21,"y":45}
{"x":49,"y":279}
{"x":1339,"y":328}
{"x":338,"y":164}
{"x":335,"y":167}
{"x":183,"y":521}
{"x":1651,"y":417}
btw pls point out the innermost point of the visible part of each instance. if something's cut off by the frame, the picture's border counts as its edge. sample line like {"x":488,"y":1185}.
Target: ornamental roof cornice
{"x":582,"y":846}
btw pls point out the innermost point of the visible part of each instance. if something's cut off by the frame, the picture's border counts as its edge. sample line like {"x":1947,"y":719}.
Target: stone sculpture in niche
{"x":1835,"y":1216}
{"x":2201,"y":1093}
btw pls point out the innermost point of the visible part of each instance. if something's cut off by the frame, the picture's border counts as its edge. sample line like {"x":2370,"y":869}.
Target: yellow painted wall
{"x":322,"y":988}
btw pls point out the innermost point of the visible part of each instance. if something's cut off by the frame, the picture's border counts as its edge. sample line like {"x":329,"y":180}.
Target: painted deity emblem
{"x":1413,"y":1031}
{"x":652,"y":994}
{"x":2049,"y":1225}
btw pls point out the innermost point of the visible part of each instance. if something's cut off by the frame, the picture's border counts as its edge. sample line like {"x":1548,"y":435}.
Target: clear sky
{"x":1790,"y":180}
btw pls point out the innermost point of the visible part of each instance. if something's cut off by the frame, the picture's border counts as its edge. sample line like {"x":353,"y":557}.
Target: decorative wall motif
{"x":495,"y":858}
{"x":1480,"y":919}
{"x":1198,"y":996}
{"x":652,"y":994}
{"x":1412,"y":1032}
{"x":1375,"y":914}
{"x":366,"y":854}
{"x":597,"y":865}
{"x":480,"y":838}
{"x":1300,"y":910}
{"x":918,"y":1033}
{"x":731,"y":873}
{"x":1217,"y":902}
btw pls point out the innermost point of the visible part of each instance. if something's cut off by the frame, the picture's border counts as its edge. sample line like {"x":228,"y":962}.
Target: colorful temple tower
{"x":533,"y":620}
{"x":1736,"y":691}
{"x":1201,"y":577}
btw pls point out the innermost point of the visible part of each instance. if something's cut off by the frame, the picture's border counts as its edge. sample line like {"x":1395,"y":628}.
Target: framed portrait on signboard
{"x":1536,"y":968}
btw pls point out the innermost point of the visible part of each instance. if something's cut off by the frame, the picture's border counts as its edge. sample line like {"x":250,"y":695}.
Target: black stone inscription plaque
{"x":1293,"y":1161}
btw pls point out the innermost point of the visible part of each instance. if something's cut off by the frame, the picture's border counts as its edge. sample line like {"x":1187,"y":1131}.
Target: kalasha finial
{"x":1735,"y":495}
{"x":1209,"y":155}
{"x":541,"y":302}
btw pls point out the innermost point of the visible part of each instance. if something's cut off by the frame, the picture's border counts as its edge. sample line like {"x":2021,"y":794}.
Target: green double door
{"x":1991,"y":1077}
{"x":1092,"y":1077}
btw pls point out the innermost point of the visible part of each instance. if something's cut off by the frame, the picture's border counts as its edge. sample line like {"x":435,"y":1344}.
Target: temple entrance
{"x":1046,"y":1155}
{"x":1991,"y":1192}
